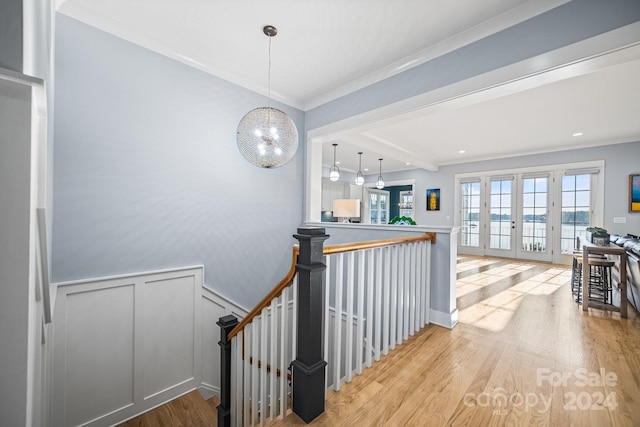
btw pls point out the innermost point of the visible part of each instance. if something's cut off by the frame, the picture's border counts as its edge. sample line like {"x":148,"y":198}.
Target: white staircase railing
{"x":375,"y":295}
{"x":374,"y":300}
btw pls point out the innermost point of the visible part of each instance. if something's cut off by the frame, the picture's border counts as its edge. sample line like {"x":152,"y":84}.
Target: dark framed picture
{"x":433,"y":199}
{"x":634,"y":193}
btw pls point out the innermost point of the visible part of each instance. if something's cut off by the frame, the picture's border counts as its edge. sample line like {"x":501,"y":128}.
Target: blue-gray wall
{"x":148,"y":175}
{"x":11,"y":35}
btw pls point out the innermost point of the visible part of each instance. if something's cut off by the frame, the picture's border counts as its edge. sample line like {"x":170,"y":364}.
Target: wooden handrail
{"x":275,"y":292}
{"x":327,"y":250}
{"x":371,"y":244}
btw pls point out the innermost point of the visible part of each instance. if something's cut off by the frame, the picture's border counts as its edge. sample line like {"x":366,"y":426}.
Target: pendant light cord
{"x":269,"y":76}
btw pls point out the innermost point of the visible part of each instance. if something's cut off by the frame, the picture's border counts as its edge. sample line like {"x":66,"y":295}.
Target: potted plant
{"x":599,"y":236}
{"x":402,"y":220}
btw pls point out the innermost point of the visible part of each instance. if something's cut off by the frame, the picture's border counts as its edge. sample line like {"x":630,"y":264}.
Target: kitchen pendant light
{"x":266,"y":136}
{"x":359,"y":176}
{"x":380,"y":181}
{"x":334,"y":171}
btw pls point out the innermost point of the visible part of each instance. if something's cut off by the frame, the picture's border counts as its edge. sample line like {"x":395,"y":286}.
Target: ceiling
{"x":326,"y":49}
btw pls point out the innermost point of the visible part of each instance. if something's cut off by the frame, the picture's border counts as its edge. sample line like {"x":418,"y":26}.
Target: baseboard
{"x":446,"y":320}
{"x":207,"y":391}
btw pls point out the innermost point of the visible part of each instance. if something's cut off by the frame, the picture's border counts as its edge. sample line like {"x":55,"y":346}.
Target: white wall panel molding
{"x":124,"y":345}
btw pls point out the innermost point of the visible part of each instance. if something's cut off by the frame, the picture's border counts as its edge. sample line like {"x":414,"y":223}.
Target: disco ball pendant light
{"x":334,"y":171}
{"x":359,"y":176}
{"x":266,"y":136}
{"x":380,"y":181}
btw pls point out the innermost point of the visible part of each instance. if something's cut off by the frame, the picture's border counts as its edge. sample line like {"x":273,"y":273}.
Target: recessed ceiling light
{"x":577,"y":134}
{"x":462,"y":151}
{"x":366,"y":169}
{"x":408,"y":164}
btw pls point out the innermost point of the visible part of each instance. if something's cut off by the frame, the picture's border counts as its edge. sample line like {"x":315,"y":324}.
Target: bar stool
{"x":594,"y":272}
{"x":600,"y":283}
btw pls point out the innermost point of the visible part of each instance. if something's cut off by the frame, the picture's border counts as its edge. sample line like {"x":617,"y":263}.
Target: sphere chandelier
{"x":266,"y":136}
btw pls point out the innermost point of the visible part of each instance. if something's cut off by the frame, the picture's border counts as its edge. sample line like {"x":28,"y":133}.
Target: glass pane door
{"x":373,"y":208}
{"x":378,"y":206}
{"x":405,"y":206}
{"x":501,"y":221}
{"x":534,"y":225}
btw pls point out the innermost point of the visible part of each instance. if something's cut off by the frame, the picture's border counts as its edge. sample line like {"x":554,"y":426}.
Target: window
{"x":470,"y":214}
{"x":576,"y":208}
{"x":534,"y":214}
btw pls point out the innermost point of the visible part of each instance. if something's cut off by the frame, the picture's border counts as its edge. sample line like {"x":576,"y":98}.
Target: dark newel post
{"x":226,"y":323}
{"x":309,"y":369}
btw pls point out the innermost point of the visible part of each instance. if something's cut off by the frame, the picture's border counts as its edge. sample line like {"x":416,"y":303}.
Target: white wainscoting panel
{"x":170,"y":322}
{"x":123,"y":345}
{"x":99,"y":350}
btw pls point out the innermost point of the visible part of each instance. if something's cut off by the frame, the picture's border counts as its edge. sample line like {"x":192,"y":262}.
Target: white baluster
{"x":360,"y":313}
{"x":327,"y":316}
{"x":255,"y":372}
{"x":262,"y":364}
{"x":369,"y":330}
{"x":348,"y":361}
{"x":412,"y":284}
{"x":247,"y":375}
{"x":378,"y":310}
{"x":427,"y":284}
{"x":419,"y":287}
{"x":386,"y":300}
{"x":423,"y":312}
{"x":402,"y":302}
{"x":273,"y":361}
{"x":337,"y":322}
{"x":284,"y":351}
{"x":237,"y":385}
{"x":393,"y":274}
{"x":407,"y":292}
{"x":294,"y":319}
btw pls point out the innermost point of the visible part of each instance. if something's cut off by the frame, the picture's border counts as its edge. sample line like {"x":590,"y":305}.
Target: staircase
{"x":338,"y":310}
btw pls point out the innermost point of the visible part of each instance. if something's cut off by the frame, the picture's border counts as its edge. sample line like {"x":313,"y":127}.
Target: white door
{"x":378,"y":207}
{"x":533,"y":224}
{"x":500,"y":236}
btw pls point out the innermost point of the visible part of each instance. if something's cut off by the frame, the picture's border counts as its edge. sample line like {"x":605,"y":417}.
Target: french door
{"x":516,"y":222}
{"x":534,"y":215}
{"x":378,"y":207}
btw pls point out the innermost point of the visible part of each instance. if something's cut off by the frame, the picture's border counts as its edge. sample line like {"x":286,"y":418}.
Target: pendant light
{"x":380,"y":181}
{"x":266,"y":136}
{"x":359,"y":176}
{"x":334,"y":171}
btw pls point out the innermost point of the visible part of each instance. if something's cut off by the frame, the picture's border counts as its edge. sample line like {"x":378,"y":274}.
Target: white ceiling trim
{"x":84,"y":13}
{"x":492,"y":26}
{"x":98,"y":20}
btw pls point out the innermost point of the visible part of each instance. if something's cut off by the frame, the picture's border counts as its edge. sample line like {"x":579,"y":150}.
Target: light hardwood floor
{"x":190,"y":410}
{"x":523,"y":353}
